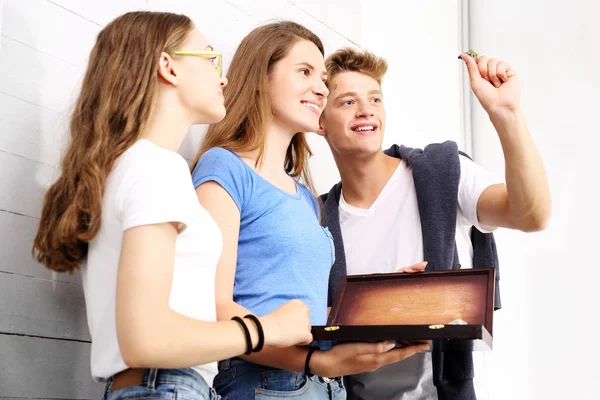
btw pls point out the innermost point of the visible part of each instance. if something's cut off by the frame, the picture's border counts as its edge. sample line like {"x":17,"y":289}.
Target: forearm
{"x":288,"y":358}
{"x":171,"y":340}
{"x":526,"y":183}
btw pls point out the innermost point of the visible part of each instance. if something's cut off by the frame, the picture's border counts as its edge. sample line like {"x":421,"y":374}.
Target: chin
{"x":215,"y":116}
{"x":364,"y":149}
{"x":308,"y":127}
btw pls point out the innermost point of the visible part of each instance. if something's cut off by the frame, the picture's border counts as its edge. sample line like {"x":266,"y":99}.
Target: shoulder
{"x":219,"y":162}
{"x":145,"y":160}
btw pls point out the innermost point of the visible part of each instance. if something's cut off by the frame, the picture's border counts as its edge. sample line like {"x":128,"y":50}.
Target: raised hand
{"x":494,"y":83}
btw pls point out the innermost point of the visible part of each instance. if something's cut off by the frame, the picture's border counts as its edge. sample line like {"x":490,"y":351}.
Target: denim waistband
{"x":181,"y":376}
{"x":238,"y":362}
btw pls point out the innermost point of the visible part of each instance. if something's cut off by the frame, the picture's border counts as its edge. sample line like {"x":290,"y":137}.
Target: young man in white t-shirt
{"x":379,"y":219}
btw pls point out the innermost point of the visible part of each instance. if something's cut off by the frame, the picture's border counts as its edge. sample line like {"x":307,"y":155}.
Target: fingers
{"x":373,"y":348}
{"x":492,"y":70}
{"x":307,"y":340}
{"x":502,"y":71}
{"x":400,"y":354}
{"x":373,"y":362}
{"x":414,"y":268}
{"x":482,"y":66}
{"x":472,"y":68}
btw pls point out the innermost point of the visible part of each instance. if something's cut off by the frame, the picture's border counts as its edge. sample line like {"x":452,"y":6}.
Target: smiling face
{"x":354,"y":119}
{"x":297,"y":91}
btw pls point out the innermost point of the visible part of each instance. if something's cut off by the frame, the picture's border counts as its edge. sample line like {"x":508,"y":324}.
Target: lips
{"x":365,"y":128}
{"x":313,"y":106}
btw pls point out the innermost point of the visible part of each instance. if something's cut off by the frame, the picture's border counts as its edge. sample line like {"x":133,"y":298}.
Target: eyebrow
{"x":354,"y":94}
{"x":209,"y":47}
{"x":304,"y":63}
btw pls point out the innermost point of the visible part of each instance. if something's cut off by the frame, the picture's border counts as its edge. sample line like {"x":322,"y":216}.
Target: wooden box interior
{"x":426,"y":298}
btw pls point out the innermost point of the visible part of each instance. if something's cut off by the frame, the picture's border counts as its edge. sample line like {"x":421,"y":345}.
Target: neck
{"x":167,"y":126}
{"x":277,"y":141}
{"x":363,"y":178}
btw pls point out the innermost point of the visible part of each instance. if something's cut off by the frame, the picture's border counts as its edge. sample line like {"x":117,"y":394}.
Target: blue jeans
{"x":242,"y":380}
{"x":180,"y":384}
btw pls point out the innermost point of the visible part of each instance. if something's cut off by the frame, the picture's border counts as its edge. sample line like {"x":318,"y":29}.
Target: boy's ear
{"x":321,"y":131}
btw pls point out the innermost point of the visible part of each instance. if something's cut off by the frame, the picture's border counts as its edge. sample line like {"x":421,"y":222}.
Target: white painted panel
{"x":23,"y":184}
{"x":16,"y":238}
{"x":31,"y":131}
{"x":40,"y":307}
{"x":342,"y":17}
{"x":101,"y":12}
{"x":45,"y":368}
{"x":37,"y":77}
{"x":42,"y":25}
{"x":285,"y":10}
{"x":1,"y":13}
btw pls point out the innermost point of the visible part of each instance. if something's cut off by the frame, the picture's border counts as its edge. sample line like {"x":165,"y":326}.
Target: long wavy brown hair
{"x":113,"y":108}
{"x":247,"y":100}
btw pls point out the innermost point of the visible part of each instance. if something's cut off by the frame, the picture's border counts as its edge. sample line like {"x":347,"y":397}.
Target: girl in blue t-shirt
{"x":274,"y":249}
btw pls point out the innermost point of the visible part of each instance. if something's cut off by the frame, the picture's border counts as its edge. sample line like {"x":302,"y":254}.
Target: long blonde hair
{"x":247,"y":100}
{"x":113,"y":107}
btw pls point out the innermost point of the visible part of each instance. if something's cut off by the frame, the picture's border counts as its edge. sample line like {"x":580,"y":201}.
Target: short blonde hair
{"x":349,"y":59}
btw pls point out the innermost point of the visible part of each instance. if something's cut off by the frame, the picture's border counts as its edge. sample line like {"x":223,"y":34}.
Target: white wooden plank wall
{"x":44,"y":45}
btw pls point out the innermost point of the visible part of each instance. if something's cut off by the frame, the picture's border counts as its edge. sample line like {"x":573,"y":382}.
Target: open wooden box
{"x":414,"y":307}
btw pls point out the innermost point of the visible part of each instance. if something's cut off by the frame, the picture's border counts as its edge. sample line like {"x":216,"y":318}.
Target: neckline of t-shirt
{"x":152,"y":144}
{"x":296,"y":195}
{"x":367,"y":212}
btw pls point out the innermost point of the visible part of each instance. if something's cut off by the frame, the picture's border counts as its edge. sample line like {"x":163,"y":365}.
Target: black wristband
{"x":261,"y":333}
{"x":307,"y":362}
{"x":246,"y":332}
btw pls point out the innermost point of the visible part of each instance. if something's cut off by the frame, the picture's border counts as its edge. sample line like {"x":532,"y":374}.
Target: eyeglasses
{"x":213,"y":55}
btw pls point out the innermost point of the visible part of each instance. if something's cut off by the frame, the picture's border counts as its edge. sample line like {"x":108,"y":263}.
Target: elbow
{"x":224,"y":309}
{"x":132,"y":360}
{"x":138,"y":350}
{"x":535,"y":222}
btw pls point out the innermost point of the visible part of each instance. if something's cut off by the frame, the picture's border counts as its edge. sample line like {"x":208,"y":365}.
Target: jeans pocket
{"x":224,"y":378}
{"x":163,"y":391}
{"x":188,"y":393}
{"x":280,"y":383}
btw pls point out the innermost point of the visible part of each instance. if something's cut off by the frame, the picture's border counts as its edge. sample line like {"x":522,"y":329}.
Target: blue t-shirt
{"x":283,"y":252}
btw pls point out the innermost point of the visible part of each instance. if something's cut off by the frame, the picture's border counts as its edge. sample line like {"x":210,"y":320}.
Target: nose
{"x":223,"y":82}
{"x":320,"y":90}
{"x":364,"y":111}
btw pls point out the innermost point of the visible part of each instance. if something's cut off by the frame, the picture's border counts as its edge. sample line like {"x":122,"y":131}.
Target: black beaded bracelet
{"x":307,"y":362}
{"x":246,"y":332}
{"x":261,"y":333}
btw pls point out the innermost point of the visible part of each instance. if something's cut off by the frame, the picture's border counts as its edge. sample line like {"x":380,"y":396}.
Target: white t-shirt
{"x":386,"y":237}
{"x":150,"y":185}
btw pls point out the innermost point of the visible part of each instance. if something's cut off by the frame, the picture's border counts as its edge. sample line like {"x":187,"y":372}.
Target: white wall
{"x":546,"y":336}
